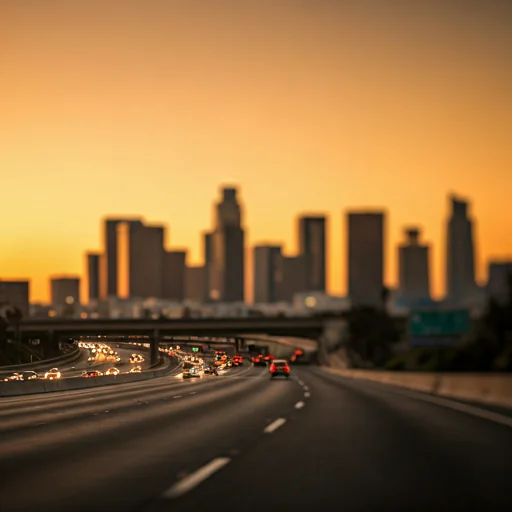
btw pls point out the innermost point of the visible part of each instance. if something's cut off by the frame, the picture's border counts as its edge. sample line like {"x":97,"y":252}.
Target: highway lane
{"x":318,"y":440}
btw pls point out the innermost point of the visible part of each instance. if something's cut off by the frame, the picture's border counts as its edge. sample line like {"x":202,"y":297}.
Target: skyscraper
{"x":413,"y":265}
{"x":365,"y":258}
{"x":500,"y":273}
{"x":291,"y":277}
{"x":208,"y":262}
{"x":175,"y":264}
{"x":266,"y":262}
{"x":312,"y":245}
{"x":109,"y":260}
{"x":195,"y":283}
{"x":140,"y":254}
{"x":93,"y":275}
{"x":228,"y":256}
{"x":460,"y":255}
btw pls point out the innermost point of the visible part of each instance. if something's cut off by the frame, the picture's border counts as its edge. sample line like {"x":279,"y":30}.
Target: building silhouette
{"x":266,"y":261}
{"x":460,"y":255}
{"x":365,"y":258}
{"x":413,"y":269}
{"x":195,"y":283}
{"x":312,"y":246}
{"x":227,"y":269}
{"x":140,"y":260}
{"x":15,"y":294}
{"x":109,"y":260}
{"x":208,"y":262}
{"x":291,"y":277}
{"x":499,"y":272}
{"x":174,"y":275}
{"x":64,"y":291}
{"x":93,"y":276}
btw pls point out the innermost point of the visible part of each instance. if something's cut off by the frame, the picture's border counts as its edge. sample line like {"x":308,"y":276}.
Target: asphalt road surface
{"x":241,"y":442}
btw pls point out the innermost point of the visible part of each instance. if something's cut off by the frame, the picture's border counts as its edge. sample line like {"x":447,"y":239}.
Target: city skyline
{"x":390,"y":256}
{"x":307,"y":106}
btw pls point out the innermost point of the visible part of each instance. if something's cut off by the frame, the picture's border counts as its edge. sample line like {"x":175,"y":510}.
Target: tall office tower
{"x":365,"y":258}
{"x":291,"y":277}
{"x":460,"y":255}
{"x":208,"y":262}
{"x":15,"y":294}
{"x":140,"y":265}
{"x":93,"y":275}
{"x":266,"y":261}
{"x":175,"y":263}
{"x":64,"y":291}
{"x":195,"y":283}
{"x":227,"y":276}
{"x":413,"y":265}
{"x":500,"y":272}
{"x":109,"y":261}
{"x":312,"y":245}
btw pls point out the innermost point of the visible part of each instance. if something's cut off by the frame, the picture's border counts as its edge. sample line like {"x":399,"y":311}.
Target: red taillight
{"x":272,"y":368}
{"x":287,"y":369}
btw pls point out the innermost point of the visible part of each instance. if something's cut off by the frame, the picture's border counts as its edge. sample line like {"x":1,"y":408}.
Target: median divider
{"x":486,"y":388}
{"x":65,"y":358}
{"x":29,"y":387}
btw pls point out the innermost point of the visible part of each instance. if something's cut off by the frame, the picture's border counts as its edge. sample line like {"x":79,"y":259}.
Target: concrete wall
{"x":474,"y":387}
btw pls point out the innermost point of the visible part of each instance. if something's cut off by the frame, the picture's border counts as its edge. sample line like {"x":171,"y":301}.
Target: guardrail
{"x":29,"y":387}
{"x":65,"y":358}
{"x":489,"y":388}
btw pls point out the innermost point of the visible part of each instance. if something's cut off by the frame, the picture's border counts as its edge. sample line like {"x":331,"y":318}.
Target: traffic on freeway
{"x":97,"y":359}
{"x":243,"y":440}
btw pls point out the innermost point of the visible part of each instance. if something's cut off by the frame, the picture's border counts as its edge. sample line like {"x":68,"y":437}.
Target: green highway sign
{"x":439,"y":323}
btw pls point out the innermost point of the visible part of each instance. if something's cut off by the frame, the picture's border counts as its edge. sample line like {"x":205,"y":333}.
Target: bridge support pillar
{"x":153,"y":347}
{"x":331,"y":339}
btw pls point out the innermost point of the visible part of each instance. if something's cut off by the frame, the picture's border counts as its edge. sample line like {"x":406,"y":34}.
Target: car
{"x":190,"y":370}
{"x":259,"y":360}
{"x":136,"y":358}
{"x":112,"y":371}
{"x":238,"y":360}
{"x":52,"y":374}
{"x":136,"y":369}
{"x":269,"y":358}
{"x":28,"y":375}
{"x":14,"y":376}
{"x":91,"y":373}
{"x":279,"y":368}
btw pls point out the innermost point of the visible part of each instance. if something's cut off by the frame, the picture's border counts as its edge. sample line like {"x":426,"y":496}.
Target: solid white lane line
{"x":193,"y":480}
{"x":274,"y":425}
{"x":299,"y":405}
{"x":457,"y":406}
{"x":307,"y":394}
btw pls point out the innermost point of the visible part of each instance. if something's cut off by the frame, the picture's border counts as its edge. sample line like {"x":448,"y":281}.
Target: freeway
{"x":315,"y":441}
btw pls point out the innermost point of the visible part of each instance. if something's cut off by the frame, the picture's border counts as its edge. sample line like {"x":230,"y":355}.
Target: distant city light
{"x":310,"y":302}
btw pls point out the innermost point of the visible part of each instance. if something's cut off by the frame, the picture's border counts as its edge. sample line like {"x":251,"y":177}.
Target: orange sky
{"x":145,"y":107}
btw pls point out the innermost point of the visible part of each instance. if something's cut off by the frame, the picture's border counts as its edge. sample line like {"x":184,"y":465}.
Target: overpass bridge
{"x":327,"y":330}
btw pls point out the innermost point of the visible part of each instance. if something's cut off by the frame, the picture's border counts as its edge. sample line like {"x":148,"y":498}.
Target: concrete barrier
{"x":488,"y":388}
{"x":65,"y":358}
{"x":29,"y":387}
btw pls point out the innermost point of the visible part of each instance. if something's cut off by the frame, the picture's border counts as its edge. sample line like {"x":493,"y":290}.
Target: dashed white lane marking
{"x":306,"y":388}
{"x":301,"y":383}
{"x":307,"y":394}
{"x":178,"y":396}
{"x":274,"y":425}
{"x":193,"y":393}
{"x":299,"y":405}
{"x":193,"y":480}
